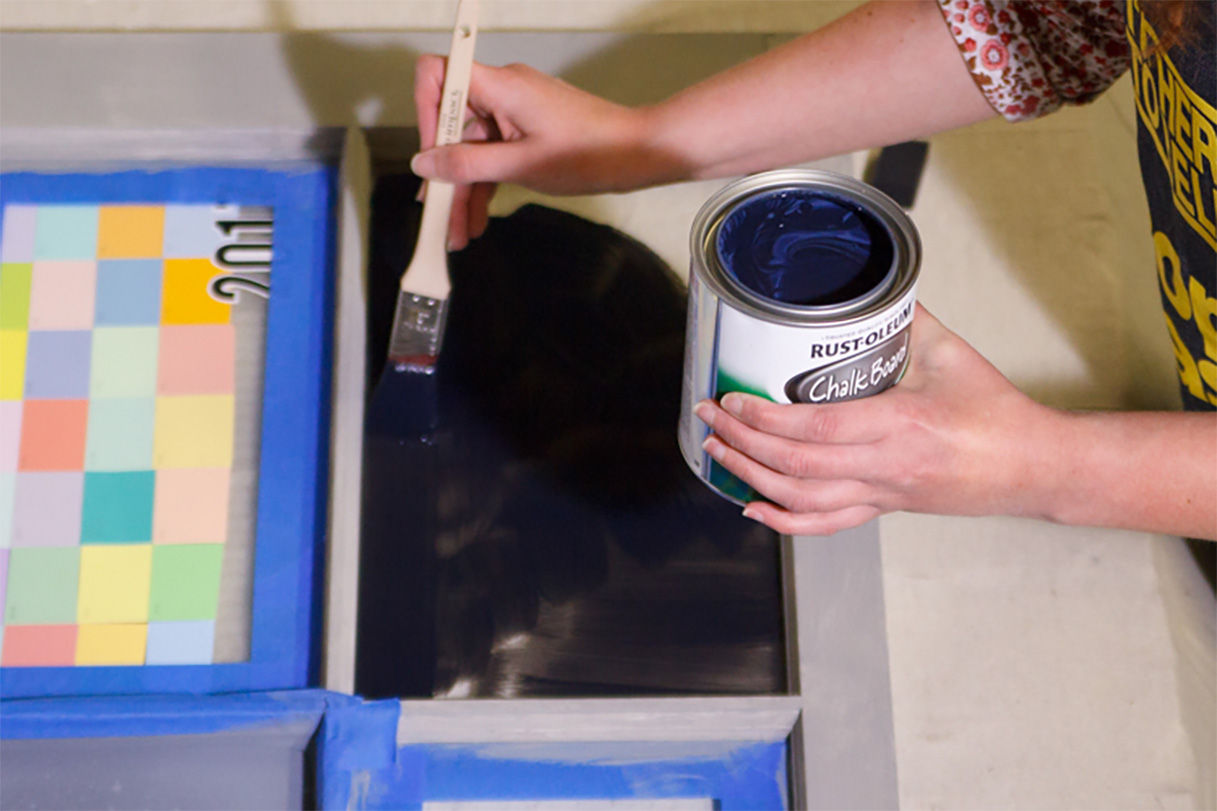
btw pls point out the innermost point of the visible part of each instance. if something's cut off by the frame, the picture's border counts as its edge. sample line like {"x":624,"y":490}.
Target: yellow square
{"x":184,"y":293}
{"x":118,"y":644}
{"x":130,"y":232}
{"x":115,"y":583}
{"x":12,"y":364}
{"x":193,"y":431}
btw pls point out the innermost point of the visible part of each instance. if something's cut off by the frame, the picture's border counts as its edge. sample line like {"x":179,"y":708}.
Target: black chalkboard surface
{"x":546,"y":538}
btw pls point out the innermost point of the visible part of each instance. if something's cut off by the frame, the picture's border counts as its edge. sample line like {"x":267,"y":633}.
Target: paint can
{"x":802,"y":288}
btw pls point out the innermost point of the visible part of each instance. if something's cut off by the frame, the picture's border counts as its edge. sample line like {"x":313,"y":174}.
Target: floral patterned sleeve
{"x":1031,"y":56}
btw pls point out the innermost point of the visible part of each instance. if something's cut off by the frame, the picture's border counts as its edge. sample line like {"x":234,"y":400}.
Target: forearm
{"x":887,"y":72}
{"x":1154,"y":471}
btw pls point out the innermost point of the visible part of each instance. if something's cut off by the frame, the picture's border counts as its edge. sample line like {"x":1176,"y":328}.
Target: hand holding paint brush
{"x":403,"y":402}
{"x":422,"y":304}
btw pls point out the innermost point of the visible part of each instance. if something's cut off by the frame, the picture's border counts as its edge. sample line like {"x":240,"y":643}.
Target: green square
{"x":42,"y":585}
{"x":124,"y":362}
{"x":15,"y":295}
{"x":185,"y":582}
{"x":118,"y":507}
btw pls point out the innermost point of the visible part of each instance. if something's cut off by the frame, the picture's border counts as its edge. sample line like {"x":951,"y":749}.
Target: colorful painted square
{"x":46,"y":509}
{"x":114,"y":644}
{"x":117,"y":507}
{"x":3,"y":576}
{"x":8,"y":493}
{"x":120,"y":434}
{"x":184,"y":293}
{"x":66,"y":232}
{"x":124,"y":362}
{"x":39,"y":646}
{"x":191,"y":505}
{"x":185,"y":582}
{"x":130,"y":232}
{"x":129,"y":292}
{"x":197,"y":359}
{"x":114,"y":583}
{"x":12,"y":363}
{"x":15,"y":282}
{"x":190,"y":231}
{"x":42,"y":585}
{"x":194,"y":431}
{"x":62,"y":294}
{"x":57,"y":364}
{"x":17,"y":234}
{"x":181,"y":643}
{"x":10,"y":433}
{"x":53,"y":435}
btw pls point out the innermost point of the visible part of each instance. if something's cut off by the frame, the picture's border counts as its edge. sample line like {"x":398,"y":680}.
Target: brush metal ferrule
{"x":418,"y":331}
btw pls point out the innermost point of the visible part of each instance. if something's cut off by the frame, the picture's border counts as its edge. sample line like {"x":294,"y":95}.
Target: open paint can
{"x":802,"y":288}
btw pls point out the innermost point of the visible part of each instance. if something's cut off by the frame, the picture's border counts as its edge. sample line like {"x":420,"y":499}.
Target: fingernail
{"x":704,"y":412}
{"x":751,"y":513}
{"x":422,"y":164}
{"x":733,"y":403}
{"x":713,"y":447}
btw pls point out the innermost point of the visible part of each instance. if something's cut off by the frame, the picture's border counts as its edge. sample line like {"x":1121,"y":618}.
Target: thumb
{"x":470,"y":162}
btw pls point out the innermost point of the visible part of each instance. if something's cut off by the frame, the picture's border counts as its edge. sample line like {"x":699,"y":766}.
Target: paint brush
{"x":422,"y":302}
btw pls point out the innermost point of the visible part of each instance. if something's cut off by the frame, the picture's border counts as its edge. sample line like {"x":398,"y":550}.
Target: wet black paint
{"x":546,"y":538}
{"x":800,"y":246}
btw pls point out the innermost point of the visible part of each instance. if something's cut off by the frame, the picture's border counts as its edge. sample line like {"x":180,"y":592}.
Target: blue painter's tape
{"x":140,"y":716}
{"x":358,"y":739}
{"x":736,"y":776}
{"x":284,"y":652}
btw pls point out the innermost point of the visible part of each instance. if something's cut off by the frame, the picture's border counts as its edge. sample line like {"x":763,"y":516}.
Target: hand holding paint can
{"x":802,"y":289}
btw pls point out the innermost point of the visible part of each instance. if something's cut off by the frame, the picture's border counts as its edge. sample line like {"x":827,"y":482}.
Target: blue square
{"x":181,"y":643}
{"x":191,"y":231}
{"x":57,"y":365}
{"x":66,"y":232}
{"x":129,"y":291}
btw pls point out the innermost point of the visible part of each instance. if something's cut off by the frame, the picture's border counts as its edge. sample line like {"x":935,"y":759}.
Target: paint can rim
{"x":905,"y":243}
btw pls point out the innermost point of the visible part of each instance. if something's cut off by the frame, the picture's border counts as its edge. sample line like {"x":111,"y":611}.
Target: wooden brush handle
{"x":437,"y":199}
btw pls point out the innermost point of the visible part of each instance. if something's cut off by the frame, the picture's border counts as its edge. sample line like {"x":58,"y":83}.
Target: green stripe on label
{"x":726,"y":383}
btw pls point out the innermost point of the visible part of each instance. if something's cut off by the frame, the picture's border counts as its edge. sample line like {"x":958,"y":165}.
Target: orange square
{"x":184,"y":293}
{"x":53,"y":435}
{"x":39,"y":646}
{"x":130,"y":232}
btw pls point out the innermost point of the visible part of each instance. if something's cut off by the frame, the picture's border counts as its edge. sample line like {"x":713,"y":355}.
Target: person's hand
{"x":529,"y":128}
{"x":953,"y":437}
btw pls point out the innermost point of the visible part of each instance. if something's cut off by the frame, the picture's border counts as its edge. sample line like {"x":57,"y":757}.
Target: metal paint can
{"x":802,"y":288}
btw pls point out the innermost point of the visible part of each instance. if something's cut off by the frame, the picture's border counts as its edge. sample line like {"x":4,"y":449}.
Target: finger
{"x":852,"y":421}
{"x":428,"y":87}
{"x":855,"y":421}
{"x":479,"y":208}
{"x":492,"y":162}
{"x":791,"y":523}
{"x":801,"y":459}
{"x":799,"y":495}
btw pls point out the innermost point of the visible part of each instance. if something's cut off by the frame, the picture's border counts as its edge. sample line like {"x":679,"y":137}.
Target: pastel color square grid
{"x":117,"y":401}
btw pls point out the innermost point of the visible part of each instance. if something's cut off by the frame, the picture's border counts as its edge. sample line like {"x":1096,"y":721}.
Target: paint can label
{"x":790,"y":351}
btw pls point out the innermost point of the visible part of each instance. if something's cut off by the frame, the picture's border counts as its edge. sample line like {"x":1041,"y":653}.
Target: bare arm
{"x":886,"y":72}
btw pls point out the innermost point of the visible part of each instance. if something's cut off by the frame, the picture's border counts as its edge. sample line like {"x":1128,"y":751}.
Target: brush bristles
{"x":418,"y":331}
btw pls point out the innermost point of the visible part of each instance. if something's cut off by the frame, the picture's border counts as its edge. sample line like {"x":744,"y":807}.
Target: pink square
{"x":190,"y":505}
{"x":61,"y":294}
{"x":197,"y":359}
